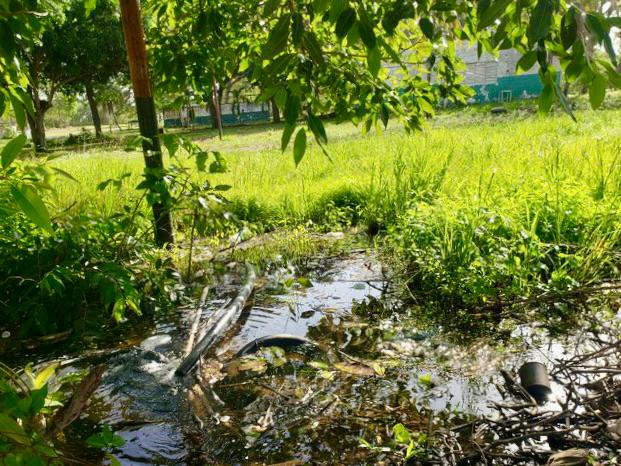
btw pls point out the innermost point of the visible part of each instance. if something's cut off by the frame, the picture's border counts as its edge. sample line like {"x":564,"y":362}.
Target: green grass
{"x":477,"y":208}
{"x":490,"y":158}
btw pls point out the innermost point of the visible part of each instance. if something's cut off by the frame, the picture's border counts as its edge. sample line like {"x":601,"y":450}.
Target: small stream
{"x":373,"y":368}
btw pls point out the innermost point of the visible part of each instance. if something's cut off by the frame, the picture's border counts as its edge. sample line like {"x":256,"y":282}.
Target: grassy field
{"x":476,"y":208}
{"x":487,"y":158}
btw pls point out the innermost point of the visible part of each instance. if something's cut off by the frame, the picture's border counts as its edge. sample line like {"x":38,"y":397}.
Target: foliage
{"x":28,"y":403}
{"x":318,"y":57}
{"x":195,"y":42}
{"x":75,"y":262}
{"x":24,"y":404}
{"x":405,"y":444}
{"x":88,"y":263}
{"x":84,"y":48}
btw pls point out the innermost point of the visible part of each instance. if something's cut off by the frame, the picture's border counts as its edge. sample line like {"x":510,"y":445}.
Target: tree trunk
{"x":92,"y":103}
{"x":147,"y":118}
{"x":275,"y":111}
{"x":37,"y":124}
{"x":113,"y":115}
{"x":216,"y":96}
{"x":213,"y":112}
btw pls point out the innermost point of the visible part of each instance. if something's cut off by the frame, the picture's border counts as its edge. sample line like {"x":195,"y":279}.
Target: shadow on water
{"x":332,"y":403}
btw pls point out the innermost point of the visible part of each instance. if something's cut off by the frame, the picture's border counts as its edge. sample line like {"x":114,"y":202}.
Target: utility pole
{"x":145,"y":108}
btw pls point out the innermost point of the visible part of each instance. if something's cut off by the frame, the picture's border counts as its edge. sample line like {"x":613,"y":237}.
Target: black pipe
{"x":281,"y":340}
{"x":534,"y":378}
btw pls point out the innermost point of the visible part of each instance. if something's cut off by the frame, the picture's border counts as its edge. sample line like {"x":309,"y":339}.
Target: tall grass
{"x":480,"y":207}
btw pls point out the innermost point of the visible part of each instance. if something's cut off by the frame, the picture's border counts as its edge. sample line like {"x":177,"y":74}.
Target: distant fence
{"x":508,"y":88}
{"x":228,"y":119}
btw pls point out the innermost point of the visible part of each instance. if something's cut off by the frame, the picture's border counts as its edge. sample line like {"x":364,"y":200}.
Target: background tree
{"x":317,"y":56}
{"x":77,"y":49}
{"x":198,"y":45}
{"x":85,"y":51}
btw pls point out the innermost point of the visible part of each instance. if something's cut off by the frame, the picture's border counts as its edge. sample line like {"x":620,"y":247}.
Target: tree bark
{"x":216,"y":96}
{"x":275,"y":111}
{"x":113,"y":115}
{"x":37,"y":129}
{"x":147,"y":118}
{"x":92,"y":103}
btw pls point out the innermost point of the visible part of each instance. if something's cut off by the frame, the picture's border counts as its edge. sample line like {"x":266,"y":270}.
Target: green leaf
{"x":487,"y":15}
{"x":304,"y":282}
{"x":569,"y":28}
{"x":65,"y":174}
{"x":19,"y":111}
{"x":560,"y":95}
{"x":11,"y":150}
{"x":526,"y":62}
{"x":43,"y":376}
{"x":597,"y":91}
{"x":32,"y":205}
{"x":374,"y":60}
{"x":277,"y":40}
{"x":314,"y":49}
{"x":219,"y":164}
{"x":367,"y":34}
{"x":337,"y":8}
{"x":426,"y":26}
{"x":540,"y":20}
{"x":546,"y":98}
{"x":292,"y":109}
{"x":286,"y":136}
{"x":297,"y":28}
{"x":316,"y":126}
{"x":401,"y":434}
{"x":345,"y":22}
{"x":270,"y":7}
{"x":11,"y":429}
{"x":299,"y":146}
{"x":321,"y":6}
{"x":89,"y":6}
{"x":171,"y":142}
{"x":600,"y":29}
{"x":38,"y":399}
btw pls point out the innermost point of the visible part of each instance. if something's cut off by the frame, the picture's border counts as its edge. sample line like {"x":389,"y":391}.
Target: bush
{"x":463,"y":257}
{"x":91,"y":265}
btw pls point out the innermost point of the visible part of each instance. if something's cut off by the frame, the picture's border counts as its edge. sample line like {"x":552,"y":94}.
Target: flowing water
{"x":371,"y":369}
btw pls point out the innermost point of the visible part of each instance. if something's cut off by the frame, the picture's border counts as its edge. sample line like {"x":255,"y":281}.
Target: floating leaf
{"x":359,"y":370}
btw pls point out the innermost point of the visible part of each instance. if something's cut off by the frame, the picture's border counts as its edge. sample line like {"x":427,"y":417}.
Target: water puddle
{"x":334,"y":402}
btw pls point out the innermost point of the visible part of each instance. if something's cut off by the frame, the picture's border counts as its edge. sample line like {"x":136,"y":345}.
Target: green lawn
{"x":503,"y":158}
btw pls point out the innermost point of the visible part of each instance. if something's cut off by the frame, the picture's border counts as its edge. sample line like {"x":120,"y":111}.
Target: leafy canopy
{"x":365,"y":60}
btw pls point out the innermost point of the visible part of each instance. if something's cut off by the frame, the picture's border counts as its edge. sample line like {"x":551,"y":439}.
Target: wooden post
{"x":145,"y":108}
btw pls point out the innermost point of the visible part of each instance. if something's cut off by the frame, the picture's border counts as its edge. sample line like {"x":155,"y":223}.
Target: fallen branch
{"x":221,"y":322}
{"x":78,"y":400}
{"x":197,"y":319}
